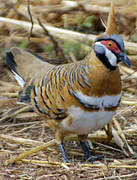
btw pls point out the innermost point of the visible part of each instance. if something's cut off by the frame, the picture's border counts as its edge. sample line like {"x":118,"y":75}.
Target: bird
{"x":74,"y":98}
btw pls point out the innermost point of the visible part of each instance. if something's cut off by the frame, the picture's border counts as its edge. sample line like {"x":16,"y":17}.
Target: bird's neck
{"x":104,"y":79}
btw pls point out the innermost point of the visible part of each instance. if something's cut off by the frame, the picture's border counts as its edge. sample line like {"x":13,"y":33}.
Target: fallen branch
{"x":62,"y":33}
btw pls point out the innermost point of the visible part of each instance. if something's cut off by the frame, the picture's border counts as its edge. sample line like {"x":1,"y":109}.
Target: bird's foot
{"x":93,"y":158}
{"x":88,"y":157}
{"x":67,"y":161}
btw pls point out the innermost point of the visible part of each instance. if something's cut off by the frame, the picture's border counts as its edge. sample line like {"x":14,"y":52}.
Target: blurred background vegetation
{"x":82,"y":21}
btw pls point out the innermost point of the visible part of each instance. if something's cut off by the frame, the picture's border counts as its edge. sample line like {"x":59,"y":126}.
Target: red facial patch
{"x":111,"y":45}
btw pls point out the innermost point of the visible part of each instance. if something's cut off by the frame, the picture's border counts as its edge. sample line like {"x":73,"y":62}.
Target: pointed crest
{"x":111,"y":24}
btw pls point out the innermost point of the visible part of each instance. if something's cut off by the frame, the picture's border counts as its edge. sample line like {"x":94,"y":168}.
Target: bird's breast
{"x":84,"y":121}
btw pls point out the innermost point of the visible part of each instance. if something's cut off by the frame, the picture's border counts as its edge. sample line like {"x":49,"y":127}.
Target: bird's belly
{"x":83,"y":122}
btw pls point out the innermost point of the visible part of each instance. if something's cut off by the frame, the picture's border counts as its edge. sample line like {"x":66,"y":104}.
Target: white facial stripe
{"x":110,"y":56}
{"x":105,"y":101}
{"x":19,"y":79}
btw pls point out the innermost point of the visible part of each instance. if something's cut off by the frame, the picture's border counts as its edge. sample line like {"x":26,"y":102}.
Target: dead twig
{"x":26,"y":108}
{"x":18,"y":140}
{"x":32,"y":151}
{"x":97,"y":165}
{"x":131,"y":73}
{"x":122,"y":136}
{"x":31,"y":19}
{"x":57,"y":48}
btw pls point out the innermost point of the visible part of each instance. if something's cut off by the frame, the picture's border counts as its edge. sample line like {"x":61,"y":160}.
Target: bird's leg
{"x":59,"y":139}
{"x":85,"y":147}
{"x":63,"y":152}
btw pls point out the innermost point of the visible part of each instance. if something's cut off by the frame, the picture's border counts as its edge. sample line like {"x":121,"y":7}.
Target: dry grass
{"x":22,"y":130}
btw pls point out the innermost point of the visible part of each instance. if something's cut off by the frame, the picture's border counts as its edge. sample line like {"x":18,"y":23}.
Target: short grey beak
{"x":123,"y":57}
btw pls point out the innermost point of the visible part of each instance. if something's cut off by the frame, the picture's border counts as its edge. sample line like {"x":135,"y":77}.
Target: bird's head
{"x":109,"y":47}
{"x":110,"y":50}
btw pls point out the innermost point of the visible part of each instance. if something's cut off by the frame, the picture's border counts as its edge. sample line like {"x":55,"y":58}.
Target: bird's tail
{"x":25,"y":65}
{"x":12,"y":65}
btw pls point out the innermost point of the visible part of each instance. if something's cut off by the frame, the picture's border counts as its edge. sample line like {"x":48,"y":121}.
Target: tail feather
{"x":10,"y":61}
{"x":12,"y":66}
{"x":19,"y":79}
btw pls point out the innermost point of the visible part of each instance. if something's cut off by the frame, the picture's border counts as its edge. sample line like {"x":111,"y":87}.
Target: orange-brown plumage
{"x":77,"y":97}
